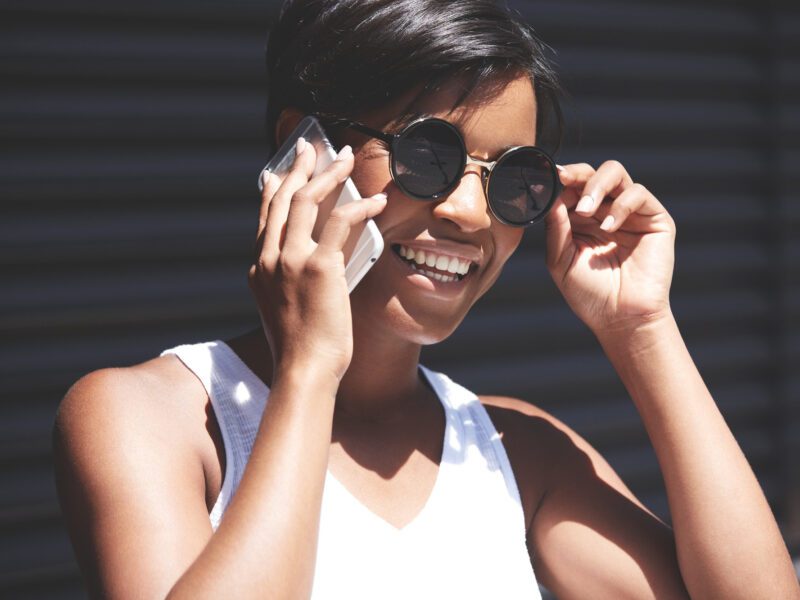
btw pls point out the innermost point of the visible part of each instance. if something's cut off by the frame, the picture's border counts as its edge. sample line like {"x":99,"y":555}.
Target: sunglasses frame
{"x":487,"y":167}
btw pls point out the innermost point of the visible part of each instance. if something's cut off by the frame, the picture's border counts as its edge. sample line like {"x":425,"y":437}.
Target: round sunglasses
{"x":428,"y":158}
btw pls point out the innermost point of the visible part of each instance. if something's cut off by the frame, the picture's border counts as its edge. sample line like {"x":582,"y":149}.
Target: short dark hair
{"x":347,"y":57}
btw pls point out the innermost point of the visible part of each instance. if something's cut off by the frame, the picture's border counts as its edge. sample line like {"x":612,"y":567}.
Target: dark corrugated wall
{"x":131,"y":136}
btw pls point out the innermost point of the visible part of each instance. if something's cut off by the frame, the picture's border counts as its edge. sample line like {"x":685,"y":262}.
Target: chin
{"x":402,"y":318}
{"x":423,"y":329}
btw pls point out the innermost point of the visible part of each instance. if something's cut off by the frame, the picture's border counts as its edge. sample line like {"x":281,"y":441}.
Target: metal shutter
{"x":132,"y":133}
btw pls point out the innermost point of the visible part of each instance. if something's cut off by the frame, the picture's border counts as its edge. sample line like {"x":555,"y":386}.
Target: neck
{"x":382,"y":382}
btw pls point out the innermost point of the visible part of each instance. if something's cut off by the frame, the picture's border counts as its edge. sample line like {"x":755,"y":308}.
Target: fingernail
{"x":344,"y":153}
{"x":585,"y":204}
{"x":562,"y":172}
{"x":380,"y":196}
{"x":264,"y":178}
{"x":301,"y":145}
{"x":607,"y":223}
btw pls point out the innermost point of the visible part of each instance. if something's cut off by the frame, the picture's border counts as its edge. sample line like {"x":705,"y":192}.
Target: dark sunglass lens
{"x":428,"y":159}
{"x":521,"y":186}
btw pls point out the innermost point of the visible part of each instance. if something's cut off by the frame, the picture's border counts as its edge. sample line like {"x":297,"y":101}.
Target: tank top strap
{"x":238,"y":398}
{"x":480,"y":434}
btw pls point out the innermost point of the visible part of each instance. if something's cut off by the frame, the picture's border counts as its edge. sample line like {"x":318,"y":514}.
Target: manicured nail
{"x":380,"y":196}
{"x":344,"y":153}
{"x":560,"y":168}
{"x":607,"y":223}
{"x":264,"y":178}
{"x":301,"y":145}
{"x":585,"y":205}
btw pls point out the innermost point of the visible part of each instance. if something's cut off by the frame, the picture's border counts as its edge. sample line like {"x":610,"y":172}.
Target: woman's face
{"x":398,"y":293}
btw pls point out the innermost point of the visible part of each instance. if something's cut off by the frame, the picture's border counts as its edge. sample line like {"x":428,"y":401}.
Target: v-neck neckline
{"x":449,"y":444}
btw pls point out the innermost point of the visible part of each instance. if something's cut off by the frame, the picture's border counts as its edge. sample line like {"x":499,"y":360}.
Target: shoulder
{"x":587,"y":530}
{"x":144,"y":397}
{"x":149,"y":417}
{"x":131,"y":415}
{"x":545,"y":453}
{"x":525,"y":426}
{"x":525,"y":423}
{"x":130,"y":412}
{"x":127,"y":454}
{"x":534,"y":434}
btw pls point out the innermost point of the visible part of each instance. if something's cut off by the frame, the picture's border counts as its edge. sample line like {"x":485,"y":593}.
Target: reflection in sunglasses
{"x":531,"y":189}
{"x":437,"y":161}
{"x":416,"y":158}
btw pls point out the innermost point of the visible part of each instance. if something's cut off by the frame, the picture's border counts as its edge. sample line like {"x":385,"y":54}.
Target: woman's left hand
{"x":610,"y":248}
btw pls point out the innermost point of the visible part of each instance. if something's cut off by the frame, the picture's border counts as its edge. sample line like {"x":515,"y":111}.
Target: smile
{"x":436,"y":266}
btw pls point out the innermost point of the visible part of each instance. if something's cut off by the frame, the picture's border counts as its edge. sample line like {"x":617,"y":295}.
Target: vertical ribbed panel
{"x":132,"y":133}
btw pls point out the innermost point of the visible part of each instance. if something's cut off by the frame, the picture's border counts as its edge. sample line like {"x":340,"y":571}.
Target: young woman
{"x":316,"y":456}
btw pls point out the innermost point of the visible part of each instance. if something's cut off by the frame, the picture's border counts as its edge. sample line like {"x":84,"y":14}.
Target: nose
{"x":466,"y":205}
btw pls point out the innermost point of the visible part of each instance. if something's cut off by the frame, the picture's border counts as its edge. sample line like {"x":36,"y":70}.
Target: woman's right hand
{"x":299,"y":284}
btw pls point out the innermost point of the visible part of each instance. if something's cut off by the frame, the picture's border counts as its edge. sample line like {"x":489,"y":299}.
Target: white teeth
{"x":432,"y":275}
{"x":452,"y":267}
{"x":442,"y":262}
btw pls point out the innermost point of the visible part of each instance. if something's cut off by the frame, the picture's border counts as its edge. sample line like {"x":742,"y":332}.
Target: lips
{"x":434,"y":264}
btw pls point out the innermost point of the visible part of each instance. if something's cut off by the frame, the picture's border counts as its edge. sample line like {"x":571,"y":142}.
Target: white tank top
{"x":467,"y":542}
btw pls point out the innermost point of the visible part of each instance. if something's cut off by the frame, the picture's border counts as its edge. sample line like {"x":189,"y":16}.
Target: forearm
{"x":265,"y":547}
{"x":728,"y":543}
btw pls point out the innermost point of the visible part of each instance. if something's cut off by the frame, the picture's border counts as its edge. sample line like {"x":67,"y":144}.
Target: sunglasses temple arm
{"x":360,"y":127}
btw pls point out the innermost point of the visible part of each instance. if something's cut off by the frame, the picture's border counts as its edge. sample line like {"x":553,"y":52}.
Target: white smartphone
{"x":365,"y":243}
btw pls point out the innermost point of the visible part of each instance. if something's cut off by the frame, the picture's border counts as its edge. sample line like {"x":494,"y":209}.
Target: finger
{"x":611,"y":179}
{"x":304,"y":206}
{"x":636,"y":199}
{"x":269,"y":185}
{"x":299,"y":174}
{"x":558,"y":236}
{"x":576,"y":174}
{"x":344,"y":218}
{"x":573,"y":177}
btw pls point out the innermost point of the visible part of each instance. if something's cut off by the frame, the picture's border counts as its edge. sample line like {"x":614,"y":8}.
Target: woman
{"x":350,"y":488}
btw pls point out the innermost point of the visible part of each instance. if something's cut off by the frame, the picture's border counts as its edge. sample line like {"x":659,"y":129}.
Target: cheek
{"x":507,"y":240}
{"x":400,"y":213}
{"x":371,"y":173}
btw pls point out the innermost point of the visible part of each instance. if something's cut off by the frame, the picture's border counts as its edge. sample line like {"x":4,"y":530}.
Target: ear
{"x":287,"y":121}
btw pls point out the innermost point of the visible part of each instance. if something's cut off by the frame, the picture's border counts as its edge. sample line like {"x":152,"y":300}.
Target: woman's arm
{"x":610,"y":247}
{"x":265,"y":546}
{"x":133,"y":492}
{"x":728,"y":543}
